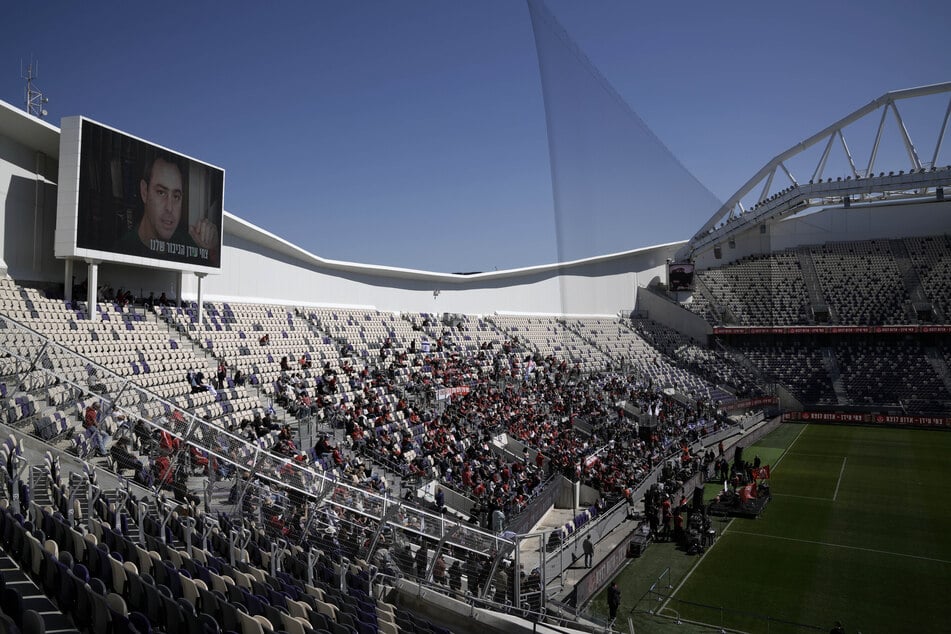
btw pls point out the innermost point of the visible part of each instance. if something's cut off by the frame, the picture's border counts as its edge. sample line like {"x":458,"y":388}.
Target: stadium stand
{"x":259,"y":500}
{"x":760,"y":291}
{"x":306,"y":446}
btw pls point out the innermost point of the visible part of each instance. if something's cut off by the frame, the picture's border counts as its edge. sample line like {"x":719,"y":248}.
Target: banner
{"x":751,"y":403}
{"x":831,"y":330}
{"x":876,"y":419}
{"x":445,"y":392}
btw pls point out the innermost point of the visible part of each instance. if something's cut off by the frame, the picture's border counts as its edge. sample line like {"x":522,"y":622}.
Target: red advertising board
{"x":751,"y":403}
{"x":878,"y":419}
{"x":910,"y":329}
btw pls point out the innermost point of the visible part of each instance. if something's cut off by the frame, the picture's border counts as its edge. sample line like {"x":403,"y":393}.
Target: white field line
{"x":725,"y":529}
{"x":791,"y":445}
{"x":841,"y":471}
{"x":801,"y":497}
{"x":830,"y":545}
{"x":695,"y":566}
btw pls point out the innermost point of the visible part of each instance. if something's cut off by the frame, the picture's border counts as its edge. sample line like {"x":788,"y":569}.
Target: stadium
{"x":207,"y":428}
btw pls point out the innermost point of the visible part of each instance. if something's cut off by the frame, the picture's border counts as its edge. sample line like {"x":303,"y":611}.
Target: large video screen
{"x":680,"y":276}
{"x":139,"y":199}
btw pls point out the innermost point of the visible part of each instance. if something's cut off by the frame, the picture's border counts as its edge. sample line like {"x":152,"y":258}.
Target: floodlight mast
{"x":34,"y":98}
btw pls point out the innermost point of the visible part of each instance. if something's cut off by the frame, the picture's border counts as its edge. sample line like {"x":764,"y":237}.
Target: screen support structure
{"x":68,"y":281}
{"x":92,"y":276}
{"x":201,"y":303}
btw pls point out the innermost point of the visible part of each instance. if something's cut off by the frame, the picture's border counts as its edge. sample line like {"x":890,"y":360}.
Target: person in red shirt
{"x":96,"y":435}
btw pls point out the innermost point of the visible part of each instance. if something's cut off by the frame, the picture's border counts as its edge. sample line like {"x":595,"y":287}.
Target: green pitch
{"x":859,"y":530}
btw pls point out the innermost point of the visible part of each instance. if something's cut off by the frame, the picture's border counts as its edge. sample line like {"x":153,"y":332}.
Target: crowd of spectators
{"x":394,"y":427}
{"x":535,"y":401}
{"x":426,"y":409}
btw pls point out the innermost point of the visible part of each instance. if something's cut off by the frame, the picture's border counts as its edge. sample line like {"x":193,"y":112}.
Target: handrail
{"x":230,"y":448}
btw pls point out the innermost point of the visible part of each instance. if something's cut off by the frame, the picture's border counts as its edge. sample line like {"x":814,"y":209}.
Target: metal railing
{"x":30,"y":354}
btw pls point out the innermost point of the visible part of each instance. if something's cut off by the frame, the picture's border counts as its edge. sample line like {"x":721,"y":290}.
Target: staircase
{"x":911,"y":281}
{"x":832,"y":367}
{"x":722,"y":313}
{"x":811,"y":279}
{"x":940,"y":366}
{"x":743,"y":361}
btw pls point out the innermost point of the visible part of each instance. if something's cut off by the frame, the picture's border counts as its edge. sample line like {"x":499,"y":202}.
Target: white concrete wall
{"x":28,"y":208}
{"x":601,"y":287}
{"x":836,"y":224}
{"x":674,"y":316}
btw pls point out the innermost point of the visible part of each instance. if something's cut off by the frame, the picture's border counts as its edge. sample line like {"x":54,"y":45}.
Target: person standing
{"x":222,"y":373}
{"x":614,"y":599}
{"x":588,"y":549}
{"x":97,"y":436}
{"x":455,"y":578}
{"x":439,"y":570}
{"x":422,"y":560}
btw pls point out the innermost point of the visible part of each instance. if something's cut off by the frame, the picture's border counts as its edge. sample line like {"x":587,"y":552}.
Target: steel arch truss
{"x":861,"y":184}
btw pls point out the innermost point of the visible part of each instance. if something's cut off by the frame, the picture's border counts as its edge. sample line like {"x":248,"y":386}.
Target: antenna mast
{"x":34,"y":98}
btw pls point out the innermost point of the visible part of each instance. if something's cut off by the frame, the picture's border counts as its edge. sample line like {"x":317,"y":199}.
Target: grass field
{"x":859,"y":530}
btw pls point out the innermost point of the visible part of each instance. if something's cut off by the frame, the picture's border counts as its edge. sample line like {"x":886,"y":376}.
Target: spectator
{"x":222,"y":373}
{"x":197,"y":381}
{"x":422,"y":559}
{"x":162,"y":469}
{"x":588,"y":549}
{"x":439,"y":570}
{"x":123,"y":458}
{"x":614,"y":599}
{"x":97,"y":436}
{"x":455,"y":577}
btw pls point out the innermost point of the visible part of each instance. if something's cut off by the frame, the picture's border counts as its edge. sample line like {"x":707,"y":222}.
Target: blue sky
{"x":413,"y":134}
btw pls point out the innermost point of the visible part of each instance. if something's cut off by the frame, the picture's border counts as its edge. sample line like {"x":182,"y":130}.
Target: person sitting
{"x":168,"y":444}
{"x":162,"y":471}
{"x":323,"y":447}
{"x":199,"y":459}
{"x":200,"y":381}
{"x":265,"y":339}
{"x":194,"y":381}
{"x":98,"y":437}
{"x":123,"y":458}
